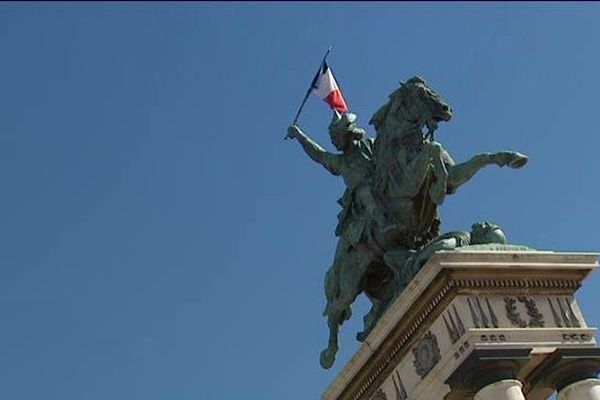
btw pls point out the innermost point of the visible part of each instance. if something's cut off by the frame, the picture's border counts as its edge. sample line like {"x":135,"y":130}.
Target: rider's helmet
{"x":343,"y":124}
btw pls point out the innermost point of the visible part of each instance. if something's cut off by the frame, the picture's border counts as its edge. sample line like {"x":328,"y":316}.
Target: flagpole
{"x":309,"y":90}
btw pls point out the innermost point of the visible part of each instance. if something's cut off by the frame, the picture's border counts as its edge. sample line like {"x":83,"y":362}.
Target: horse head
{"x":410,"y":108}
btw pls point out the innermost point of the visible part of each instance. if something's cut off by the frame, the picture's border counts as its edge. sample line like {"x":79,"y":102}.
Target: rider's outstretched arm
{"x":315,"y":151}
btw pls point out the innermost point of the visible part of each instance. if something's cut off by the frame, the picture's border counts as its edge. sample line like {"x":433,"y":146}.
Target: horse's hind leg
{"x":335,"y":315}
{"x":337,"y":312}
{"x":349,"y":270}
{"x":328,"y":355}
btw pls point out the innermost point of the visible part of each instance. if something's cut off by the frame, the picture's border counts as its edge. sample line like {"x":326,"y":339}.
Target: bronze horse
{"x":413,"y":175}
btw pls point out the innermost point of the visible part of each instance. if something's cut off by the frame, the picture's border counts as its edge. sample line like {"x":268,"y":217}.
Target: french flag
{"x":325,"y":86}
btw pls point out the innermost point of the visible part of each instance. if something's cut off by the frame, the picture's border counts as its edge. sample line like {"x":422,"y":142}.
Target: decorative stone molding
{"x":379,"y":395}
{"x":455,"y":327}
{"x":479,"y":316}
{"x":427,"y":354}
{"x":536,"y":320}
{"x":399,"y":389}
{"x":563,"y":314}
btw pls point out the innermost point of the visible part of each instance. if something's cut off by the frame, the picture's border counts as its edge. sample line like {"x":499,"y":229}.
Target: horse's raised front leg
{"x":439,"y":188}
{"x":336,"y":312}
{"x":461,"y":173}
{"x":429,"y":160}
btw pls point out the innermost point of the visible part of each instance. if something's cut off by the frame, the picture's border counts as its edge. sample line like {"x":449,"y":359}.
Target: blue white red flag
{"x":325,"y":86}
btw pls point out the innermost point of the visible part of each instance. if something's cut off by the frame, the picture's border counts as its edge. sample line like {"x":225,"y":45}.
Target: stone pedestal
{"x":481,"y":325}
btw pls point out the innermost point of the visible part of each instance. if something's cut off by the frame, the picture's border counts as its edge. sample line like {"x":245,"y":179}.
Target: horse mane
{"x":395,"y":101}
{"x":380,"y":115}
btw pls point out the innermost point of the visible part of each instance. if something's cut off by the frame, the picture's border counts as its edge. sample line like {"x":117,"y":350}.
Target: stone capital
{"x":507,"y":389}
{"x":484,"y":367}
{"x":566,"y":366}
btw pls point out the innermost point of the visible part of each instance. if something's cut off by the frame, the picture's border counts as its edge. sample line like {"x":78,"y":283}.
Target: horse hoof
{"x":361,"y":336}
{"x":518,"y":161}
{"x":327,"y":358}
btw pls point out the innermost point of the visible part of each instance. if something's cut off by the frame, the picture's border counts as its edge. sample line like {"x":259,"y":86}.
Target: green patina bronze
{"x":388,"y":226}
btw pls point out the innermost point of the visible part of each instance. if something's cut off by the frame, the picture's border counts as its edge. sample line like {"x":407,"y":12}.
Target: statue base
{"x":483,"y":325}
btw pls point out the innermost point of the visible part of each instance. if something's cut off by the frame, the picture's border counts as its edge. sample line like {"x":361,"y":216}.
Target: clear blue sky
{"x":160,"y":239}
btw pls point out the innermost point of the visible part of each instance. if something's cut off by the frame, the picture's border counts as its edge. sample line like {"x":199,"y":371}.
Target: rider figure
{"x":355,"y":165}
